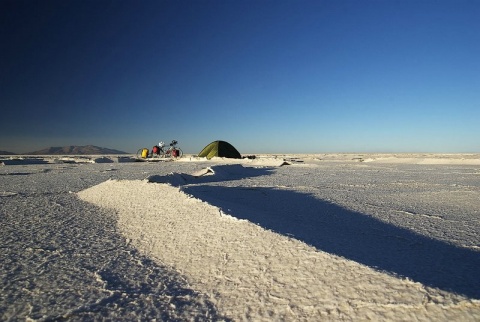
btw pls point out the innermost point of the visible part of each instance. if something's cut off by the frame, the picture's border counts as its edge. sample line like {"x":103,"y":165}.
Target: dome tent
{"x":220,"y":149}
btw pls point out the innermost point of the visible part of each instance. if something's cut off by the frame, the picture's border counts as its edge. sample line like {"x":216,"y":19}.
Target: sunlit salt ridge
{"x":254,"y":273}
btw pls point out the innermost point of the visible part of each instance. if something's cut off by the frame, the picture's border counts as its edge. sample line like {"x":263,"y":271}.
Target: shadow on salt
{"x":23,"y":161}
{"x":336,"y":230}
{"x":211,"y":174}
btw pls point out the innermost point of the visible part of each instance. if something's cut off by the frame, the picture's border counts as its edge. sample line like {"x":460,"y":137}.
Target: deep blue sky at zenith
{"x":267,"y":76}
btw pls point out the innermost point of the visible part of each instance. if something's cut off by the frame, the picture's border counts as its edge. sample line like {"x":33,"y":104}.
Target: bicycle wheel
{"x":179,"y":153}
{"x":174,"y":153}
{"x":161,"y":154}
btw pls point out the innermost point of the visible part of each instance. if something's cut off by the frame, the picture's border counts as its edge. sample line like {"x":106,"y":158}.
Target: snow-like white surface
{"x":280,"y":237}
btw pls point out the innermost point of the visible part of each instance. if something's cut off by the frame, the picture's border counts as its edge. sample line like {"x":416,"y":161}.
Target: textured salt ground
{"x":78,"y":267}
{"x":64,"y":259}
{"x":251,"y":273}
{"x":113,"y":281}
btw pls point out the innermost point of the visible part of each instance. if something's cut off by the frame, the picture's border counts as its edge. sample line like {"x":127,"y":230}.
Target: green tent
{"x":220,"y":149}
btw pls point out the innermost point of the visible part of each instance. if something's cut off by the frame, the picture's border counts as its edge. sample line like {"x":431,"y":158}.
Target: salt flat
{"x":279,"y":237}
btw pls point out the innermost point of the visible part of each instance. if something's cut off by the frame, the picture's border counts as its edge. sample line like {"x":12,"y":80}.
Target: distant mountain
{"x":6,"y":153}
{"x":76,"y":150}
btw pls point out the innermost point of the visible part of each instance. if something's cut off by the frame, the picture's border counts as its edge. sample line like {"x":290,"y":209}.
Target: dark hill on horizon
{"x":7,"y":153}
{"x":76,"y":150}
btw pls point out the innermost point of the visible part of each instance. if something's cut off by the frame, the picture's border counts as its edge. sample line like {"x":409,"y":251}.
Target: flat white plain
{"x":279,"y":237}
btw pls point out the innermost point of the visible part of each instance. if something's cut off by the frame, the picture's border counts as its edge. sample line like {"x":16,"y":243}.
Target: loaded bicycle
{"x":161,"y":151}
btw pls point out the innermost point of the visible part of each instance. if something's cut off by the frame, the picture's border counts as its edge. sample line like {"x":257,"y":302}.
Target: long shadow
{"x":24,"y":161}
{"x":216,"y":173}
{"x":77,"y":254}
{"x":350,"y":234}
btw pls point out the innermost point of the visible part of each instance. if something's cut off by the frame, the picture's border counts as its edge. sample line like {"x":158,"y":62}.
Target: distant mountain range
{"x":6,"y":153}
{"x":76,"y":150}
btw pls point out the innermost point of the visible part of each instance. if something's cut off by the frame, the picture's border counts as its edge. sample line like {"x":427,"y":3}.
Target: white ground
{"x":285,"y":237}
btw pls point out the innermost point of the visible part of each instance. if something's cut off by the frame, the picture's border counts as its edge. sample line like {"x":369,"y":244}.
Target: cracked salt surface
{"x":317,"y":240}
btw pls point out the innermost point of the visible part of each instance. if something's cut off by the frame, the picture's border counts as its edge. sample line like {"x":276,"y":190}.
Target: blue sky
{"x":267,"y":76}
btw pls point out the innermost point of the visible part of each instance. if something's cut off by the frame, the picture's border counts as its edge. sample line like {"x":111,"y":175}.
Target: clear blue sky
{"x":266,"y":76}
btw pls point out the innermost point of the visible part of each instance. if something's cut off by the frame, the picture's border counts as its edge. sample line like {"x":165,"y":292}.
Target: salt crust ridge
{"x":250,"y":273}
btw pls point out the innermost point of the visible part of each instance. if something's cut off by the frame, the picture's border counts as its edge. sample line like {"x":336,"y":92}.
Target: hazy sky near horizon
{"x":267,"y":76}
